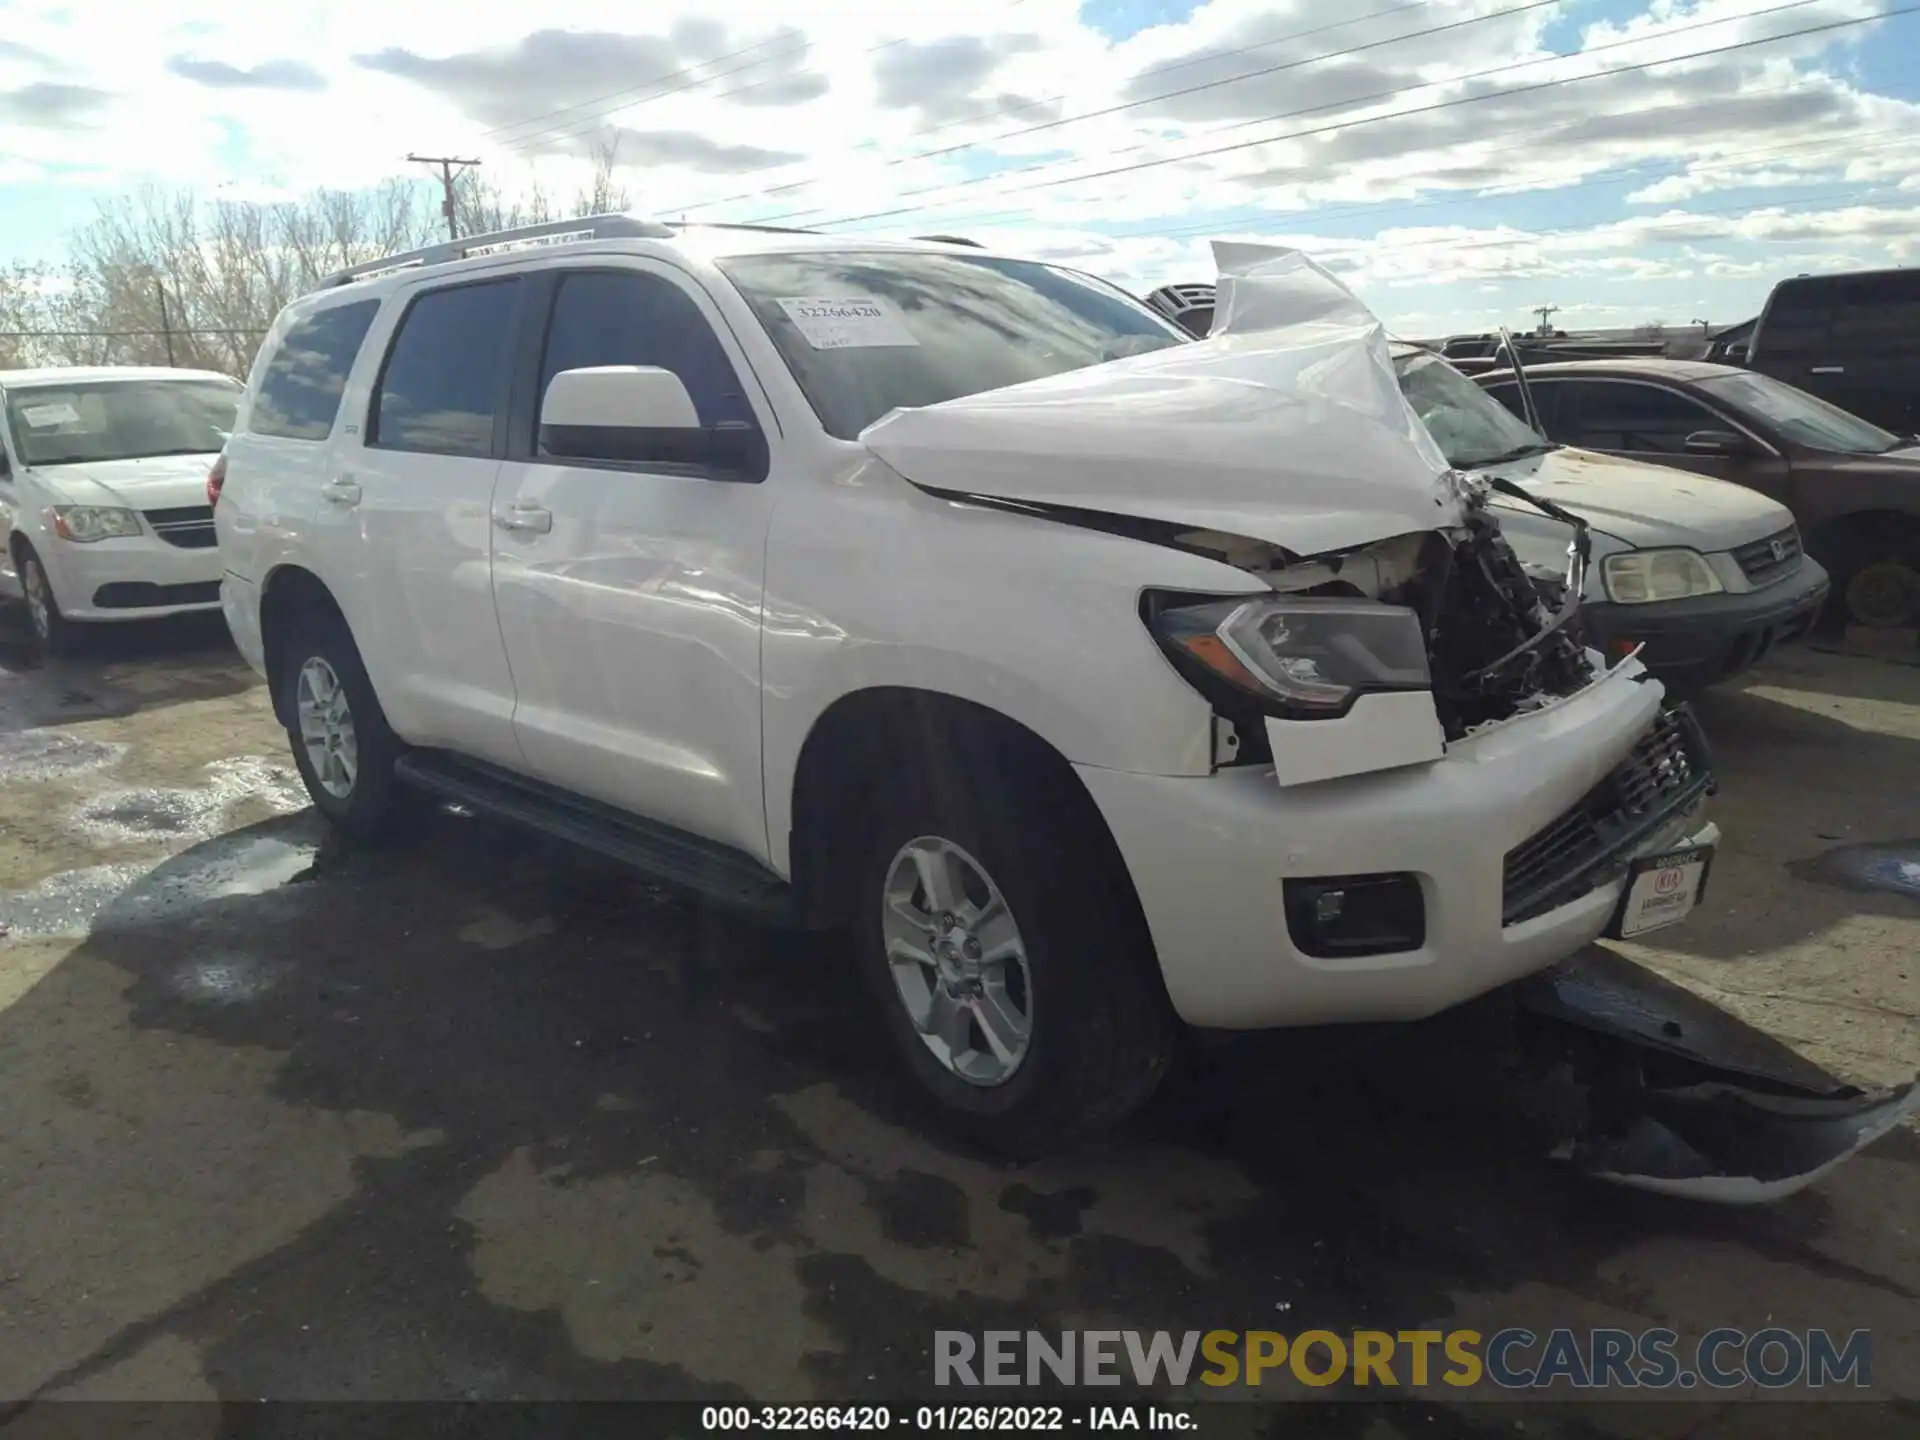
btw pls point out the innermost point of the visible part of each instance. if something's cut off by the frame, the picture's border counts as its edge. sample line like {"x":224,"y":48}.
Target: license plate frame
{"x":1644,"y":908}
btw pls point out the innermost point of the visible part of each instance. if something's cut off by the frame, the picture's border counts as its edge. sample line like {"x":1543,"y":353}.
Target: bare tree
{"x":162,"y":277}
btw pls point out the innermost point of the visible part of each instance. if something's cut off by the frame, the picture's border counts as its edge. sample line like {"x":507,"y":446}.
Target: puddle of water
{"x":169,"y":815}
{"x":226,"y":979}
{"x":52,"y":755}
{"x":125,"y":897}
{"x":1892,"y":866}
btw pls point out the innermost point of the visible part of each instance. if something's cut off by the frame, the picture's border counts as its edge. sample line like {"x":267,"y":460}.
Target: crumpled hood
{"x":1287,"y":425}
{"x":1647,"y":505}
{"x":158,"y":482}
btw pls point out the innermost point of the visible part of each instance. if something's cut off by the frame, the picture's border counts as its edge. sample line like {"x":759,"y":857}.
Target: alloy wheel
{"x":958,"y":961}
{"x":326,"y":728}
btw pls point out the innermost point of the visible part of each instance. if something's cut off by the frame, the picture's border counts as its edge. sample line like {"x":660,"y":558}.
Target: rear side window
{"x":1879,"y":315}
{"x":614,"y":318}
{"x":442,"y":389}
{"x":300,"y":389}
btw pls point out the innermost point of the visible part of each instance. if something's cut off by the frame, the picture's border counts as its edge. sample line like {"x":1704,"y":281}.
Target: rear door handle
{"x":343,"y":490}
{"x":523,"y":518}
{"x":1829,"y":370}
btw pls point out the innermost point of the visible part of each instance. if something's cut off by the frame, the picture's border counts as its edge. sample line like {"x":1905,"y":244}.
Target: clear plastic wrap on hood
{"x":1287,"y":424}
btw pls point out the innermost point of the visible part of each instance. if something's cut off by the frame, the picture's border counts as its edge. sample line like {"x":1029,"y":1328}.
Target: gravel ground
{"x":479,"y":1118}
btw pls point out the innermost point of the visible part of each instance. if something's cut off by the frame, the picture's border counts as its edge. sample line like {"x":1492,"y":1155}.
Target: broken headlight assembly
{"x":1643,"y":577}
{"x":1290,"y":656}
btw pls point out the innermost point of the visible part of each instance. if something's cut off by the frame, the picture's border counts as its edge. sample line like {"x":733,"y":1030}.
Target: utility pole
{"x":447,"y":172}
{"x":166,"y":327}
{"x":1543,"y":311}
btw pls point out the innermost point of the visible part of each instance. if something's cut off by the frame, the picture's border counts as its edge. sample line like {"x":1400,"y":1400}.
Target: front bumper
{"x":1209,"y":858}
{"x":1692,"y":643}
{"x":137,"y":578}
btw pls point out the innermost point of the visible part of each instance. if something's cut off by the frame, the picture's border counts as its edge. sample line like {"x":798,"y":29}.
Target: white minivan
{"x":103,"y":493}
{"x":1093,"y":682}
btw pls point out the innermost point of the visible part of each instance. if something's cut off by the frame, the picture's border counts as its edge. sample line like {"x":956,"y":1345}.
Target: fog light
{"x":1340,"y":917}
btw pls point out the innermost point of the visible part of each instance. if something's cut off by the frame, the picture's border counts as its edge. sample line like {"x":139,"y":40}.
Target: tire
{"x":1100,"y":1033}
{"x":349,"y":772}
{"x":56,"y":634}
{"x":1876,"y":577}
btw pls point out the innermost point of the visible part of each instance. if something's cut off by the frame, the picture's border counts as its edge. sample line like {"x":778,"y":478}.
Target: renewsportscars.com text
{"x":1772,"y":1358}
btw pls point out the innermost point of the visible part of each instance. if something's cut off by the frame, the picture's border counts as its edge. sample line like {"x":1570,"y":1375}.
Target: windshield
{"x":1800,"y":416}
{"x":1469,"y":425}
{"x":867,"y":332}
{"x":120,"y":419}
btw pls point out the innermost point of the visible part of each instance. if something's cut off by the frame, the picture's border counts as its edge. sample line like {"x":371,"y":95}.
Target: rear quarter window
{"x":300,"y":388}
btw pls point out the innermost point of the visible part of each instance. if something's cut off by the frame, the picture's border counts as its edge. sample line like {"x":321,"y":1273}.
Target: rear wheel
{"x":1876,"y":574}
{"x":341,"y":742}
{"x":1001,"y":941}
{"x":57,"y":634}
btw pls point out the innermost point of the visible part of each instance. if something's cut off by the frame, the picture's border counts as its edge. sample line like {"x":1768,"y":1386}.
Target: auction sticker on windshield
{"x":847,"y":322}
{"x":43,"y":417}
{"x":1661,"y":891}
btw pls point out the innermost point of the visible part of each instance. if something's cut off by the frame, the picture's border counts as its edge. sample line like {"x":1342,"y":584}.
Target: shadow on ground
{"x":120,"y":670}
{"x":475,"y":1118}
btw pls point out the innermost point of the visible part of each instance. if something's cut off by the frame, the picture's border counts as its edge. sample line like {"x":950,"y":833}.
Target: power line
{"x":1390,"y":207}
{"x":1208,"y":57}
{"x":1621,"y":175}
{"x":1454,"y":102}
{"x":1517,"y":237}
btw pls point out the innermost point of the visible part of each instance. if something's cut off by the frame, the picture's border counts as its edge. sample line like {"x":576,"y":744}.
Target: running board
{"x":698,"y":868}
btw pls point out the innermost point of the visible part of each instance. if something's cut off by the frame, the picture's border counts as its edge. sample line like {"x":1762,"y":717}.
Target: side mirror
{"x":1723,"y":443}
{"x":1736,"y":354}
{"x":642,"y":414}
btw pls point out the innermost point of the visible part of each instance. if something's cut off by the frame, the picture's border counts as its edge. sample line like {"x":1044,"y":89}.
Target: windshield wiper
{"x":1518,"y":452}
{"x":1579,"y":553}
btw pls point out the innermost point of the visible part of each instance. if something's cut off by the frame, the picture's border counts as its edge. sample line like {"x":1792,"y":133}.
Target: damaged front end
{"x":1636,"y":1081}
{"x":1450,"y":616}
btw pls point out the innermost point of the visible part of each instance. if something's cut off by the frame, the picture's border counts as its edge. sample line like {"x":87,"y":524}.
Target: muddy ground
{"x":480,"y":1118}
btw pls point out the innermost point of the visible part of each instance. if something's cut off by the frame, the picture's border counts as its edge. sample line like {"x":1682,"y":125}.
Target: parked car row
{"x":1851,"y":489}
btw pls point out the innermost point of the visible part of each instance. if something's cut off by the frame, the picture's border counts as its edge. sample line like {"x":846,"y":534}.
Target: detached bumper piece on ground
{"x":1645,"y":1084}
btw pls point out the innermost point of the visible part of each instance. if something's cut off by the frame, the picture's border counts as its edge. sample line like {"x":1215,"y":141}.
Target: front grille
{"x":145,"y":595}
{"x":1665,"y":773}
{"x":1773,"y":558}
{"x":188,"y":526}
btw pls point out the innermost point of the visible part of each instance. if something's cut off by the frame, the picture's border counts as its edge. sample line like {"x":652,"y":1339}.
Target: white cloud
{"x":820,"y":110}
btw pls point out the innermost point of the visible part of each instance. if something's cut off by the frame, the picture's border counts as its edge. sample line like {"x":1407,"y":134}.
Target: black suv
{"x":1852,"y":339}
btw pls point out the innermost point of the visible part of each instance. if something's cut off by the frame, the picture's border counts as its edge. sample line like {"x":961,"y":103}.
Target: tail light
{"x":216,"y":480}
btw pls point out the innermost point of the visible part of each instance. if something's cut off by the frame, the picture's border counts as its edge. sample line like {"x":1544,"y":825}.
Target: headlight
{"x":1295,"y":657}
{"x":83,"y":524}
{"x":1639,"y":577}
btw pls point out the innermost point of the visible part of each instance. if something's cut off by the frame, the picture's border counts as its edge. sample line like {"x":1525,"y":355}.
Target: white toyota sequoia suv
{"x":1093,"y":679}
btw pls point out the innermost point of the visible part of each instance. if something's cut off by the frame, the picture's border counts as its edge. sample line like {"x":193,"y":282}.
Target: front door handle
{"x":533,"y":519}
{"x":1829,"y":370}
{"x":342,"y":490}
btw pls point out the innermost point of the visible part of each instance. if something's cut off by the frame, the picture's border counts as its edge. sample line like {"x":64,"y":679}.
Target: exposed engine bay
{"x":1499,"y":641}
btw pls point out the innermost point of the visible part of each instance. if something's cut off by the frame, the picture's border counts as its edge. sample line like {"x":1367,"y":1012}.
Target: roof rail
{"x":950,"y":240}
{"x":737,"y":225}
{"x":555,"y":232}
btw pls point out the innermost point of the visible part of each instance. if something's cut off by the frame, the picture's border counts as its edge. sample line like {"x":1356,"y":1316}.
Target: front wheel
{"x":1000,"y":939}
{"x":341,"y":742}
{"x":57,"y":634}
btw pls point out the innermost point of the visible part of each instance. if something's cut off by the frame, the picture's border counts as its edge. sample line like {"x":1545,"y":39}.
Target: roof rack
{"x":556,"y":232}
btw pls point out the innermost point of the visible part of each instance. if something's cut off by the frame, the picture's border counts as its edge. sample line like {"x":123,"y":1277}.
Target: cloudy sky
{"x":1459,"y":160}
